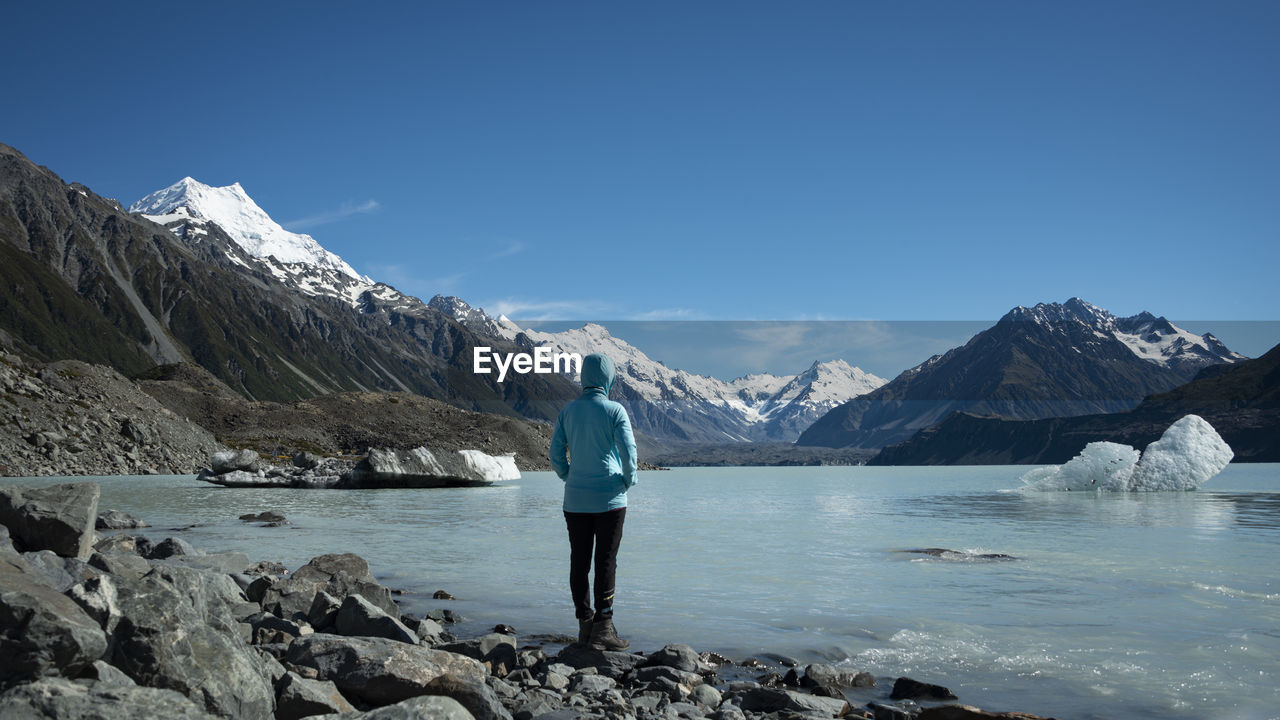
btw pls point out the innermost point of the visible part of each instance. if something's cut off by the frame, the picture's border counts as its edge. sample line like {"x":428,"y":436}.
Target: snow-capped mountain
{"x":1149,"y":337}
{"x":675,"y":404}
{"x":191,"y":201}
{"x":1048,"y":361}
{"x":188,"y":206}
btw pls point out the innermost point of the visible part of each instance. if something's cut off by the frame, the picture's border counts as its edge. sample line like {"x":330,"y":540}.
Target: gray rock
{"x":680,"y":657}
{"x":904,"y":688}
{"x":118,"y":543}
{"x":97,"y":597}
{"x":480,"y":647}
{"x":590,"y":684}
{"x":299,"y":697}
{"x":475,"y":695}
{"x":358,"y":616}
{"x":431,"y":632}
{"x":324,"y":611}
{"x":377,"y":670}
{"x":42,"y":632}
{"x":231,"y":460}
{"x":223,"y":563}
{"x":612,"y":664}
{"x":968,"y":712}
{"x":49,"y":568}
{"x":555,"y":681}
{"x":58,"y":518}
{"x":62,"y":699}
{"x":728,"y":711}
{"x":117,"y":520}
{"x":828,"y":675}
{"x":207,"y":661}
{"x":672,"y":690}
{"x":685,"y":710}
{"x":649,"y":674}
{"x":706,"y":696}
{"x":420,"y":708}
{"x":170,"y":547}
{"x":107,"y":674}
{"x":245,"y":479}
{"x":769,"y":700}
{"x":538,"y":703}
{"x":124,"y":564}
{"x":338,"y":575}
{"x":268,"y":628}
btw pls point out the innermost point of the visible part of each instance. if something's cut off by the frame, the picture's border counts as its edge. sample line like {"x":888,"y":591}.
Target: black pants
{"x":604,"y":531}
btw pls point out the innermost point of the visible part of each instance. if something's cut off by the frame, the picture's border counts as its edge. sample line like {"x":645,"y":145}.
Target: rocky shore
{"x":125,"y":625}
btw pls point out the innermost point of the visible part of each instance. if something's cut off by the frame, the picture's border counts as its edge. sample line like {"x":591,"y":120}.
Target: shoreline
{"x":329,"y":629}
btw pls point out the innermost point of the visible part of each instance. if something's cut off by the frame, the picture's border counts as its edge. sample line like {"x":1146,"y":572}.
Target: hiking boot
{"x":584,"y":631}
{"x":604,"y":637}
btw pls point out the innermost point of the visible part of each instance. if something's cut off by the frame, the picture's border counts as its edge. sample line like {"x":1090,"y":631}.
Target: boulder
{"x":611,"y":664}
{"x":475,"y":695}
{"x":377,"y":670}
{"x":324,"y":611}
{"x":126,"y":564}
{"x":706,"y":696}
{"x":172,"y":546}
{"x":422,"y":467}
{"x":42,"y":632}
{"x":680,"y":657}
{"x":299,"y":697}
{"x":338,"y":575}
{"x":175,"y":630}
{"x":904,"y":688}
{"x":358,"y":616}
{"x":59,"y":699}
{"x":117,"y":520}
{"x":50,"y":568}
{"x":481,"y":647}
{"x":107,"y":674}
{"x":421,"y":708}
{"x":817,"y":675}
{"x":770,"y":700}
{"x":58,"y":518}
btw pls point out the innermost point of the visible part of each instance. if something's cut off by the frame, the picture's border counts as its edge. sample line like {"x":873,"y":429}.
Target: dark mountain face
{"x":1241,"y":402}
{"x":83,"y":279}
{"x":1048,"y":361}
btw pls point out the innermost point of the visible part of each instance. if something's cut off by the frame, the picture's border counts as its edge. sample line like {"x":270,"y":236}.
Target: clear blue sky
{"x":701,"y":160}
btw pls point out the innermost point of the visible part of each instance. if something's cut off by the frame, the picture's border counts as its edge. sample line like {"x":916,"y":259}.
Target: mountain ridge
{"x":1051,"y":360}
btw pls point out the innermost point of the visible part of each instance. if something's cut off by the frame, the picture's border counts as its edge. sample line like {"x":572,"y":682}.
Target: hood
{"x":597,"y":371}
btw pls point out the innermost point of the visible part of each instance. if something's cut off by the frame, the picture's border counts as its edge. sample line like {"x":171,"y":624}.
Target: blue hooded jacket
{"x":593,"y":450}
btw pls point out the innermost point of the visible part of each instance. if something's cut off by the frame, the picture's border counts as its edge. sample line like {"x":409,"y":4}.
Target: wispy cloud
{"x":344,"y":211}
{"x":530,"y":310}
{"x":666,"y":314}
{"x":511,"y":249}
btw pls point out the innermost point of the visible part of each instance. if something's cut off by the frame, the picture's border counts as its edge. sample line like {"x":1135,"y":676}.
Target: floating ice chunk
{"x":1100,"y":466}
{"x":1186,"y":455}
{"x":1189,"y":452}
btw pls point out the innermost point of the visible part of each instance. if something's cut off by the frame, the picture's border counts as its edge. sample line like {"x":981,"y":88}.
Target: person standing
{"x":594,"y":453}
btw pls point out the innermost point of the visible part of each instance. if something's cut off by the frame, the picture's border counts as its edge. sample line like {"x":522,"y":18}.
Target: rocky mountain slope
{"x":1053,"y":360}
{"x":1241,"y":401}
{"x":72,"y":418}
{"x":669,"y":404}
{"x":84,"y":279}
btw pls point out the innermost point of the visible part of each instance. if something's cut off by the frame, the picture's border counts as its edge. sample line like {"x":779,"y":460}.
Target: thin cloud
{"x":344,"y":211}
{"x":545,"y":310}
{"x":666,"y":314}
{"x":511,"y":249}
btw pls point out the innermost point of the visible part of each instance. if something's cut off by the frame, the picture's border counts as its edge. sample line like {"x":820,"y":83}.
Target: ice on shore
{"x":1188,"y":453}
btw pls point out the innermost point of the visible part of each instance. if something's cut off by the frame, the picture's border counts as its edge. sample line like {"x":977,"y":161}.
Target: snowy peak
{"x":475,"y":319}
{"x":1145,"y":335}
{"x":232,"y":209}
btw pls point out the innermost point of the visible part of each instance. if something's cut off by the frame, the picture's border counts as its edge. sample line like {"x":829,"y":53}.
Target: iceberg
{"x":1188,"y":453}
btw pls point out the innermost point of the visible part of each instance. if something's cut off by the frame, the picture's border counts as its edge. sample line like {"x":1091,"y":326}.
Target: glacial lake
{"x":1157,"y":605}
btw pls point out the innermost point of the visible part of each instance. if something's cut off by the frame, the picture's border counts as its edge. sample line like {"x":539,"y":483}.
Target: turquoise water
{"x":1157,"y":605}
